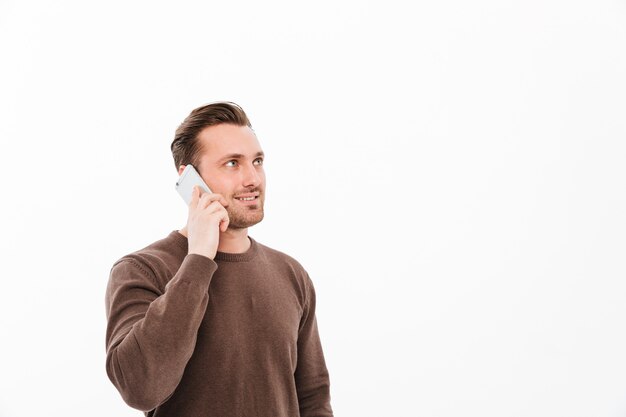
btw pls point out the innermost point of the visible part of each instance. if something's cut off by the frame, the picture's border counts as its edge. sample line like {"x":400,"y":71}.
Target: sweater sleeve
{"x":311,"y":376}
{"x":151,"y":334}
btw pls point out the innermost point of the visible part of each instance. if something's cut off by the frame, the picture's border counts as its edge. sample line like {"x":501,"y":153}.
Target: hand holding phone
{"x":207,"y":213}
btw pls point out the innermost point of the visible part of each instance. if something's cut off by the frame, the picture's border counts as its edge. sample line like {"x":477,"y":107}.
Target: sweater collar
{"x":248,"y":255}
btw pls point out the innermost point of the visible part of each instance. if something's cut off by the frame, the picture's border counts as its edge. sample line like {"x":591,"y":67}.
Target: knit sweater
{"x":188,"y":336}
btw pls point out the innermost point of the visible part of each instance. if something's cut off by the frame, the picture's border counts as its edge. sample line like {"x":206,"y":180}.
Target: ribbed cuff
{"x":195,"y":269}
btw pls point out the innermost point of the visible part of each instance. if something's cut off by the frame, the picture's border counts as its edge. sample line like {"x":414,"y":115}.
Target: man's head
{"x":218,"y":140}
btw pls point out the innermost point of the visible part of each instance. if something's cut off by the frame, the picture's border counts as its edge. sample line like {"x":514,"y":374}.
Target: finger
{"x":214,"y":207}
{"x":218,"y":213}
{"x":217,"y":197}
{"x":225,"y":222}
{"x":194,"y":197}
{"x":208,"y":198}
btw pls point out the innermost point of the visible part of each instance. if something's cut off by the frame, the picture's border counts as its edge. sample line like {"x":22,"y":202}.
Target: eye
{"x":260,"y":161}
{"x":233,"y":161}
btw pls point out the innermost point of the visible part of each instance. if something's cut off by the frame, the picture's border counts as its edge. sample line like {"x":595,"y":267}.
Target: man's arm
{"x":311,"y":376}
{"x":152,"y":334}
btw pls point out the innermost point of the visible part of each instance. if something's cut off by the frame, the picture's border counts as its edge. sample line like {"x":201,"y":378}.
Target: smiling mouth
{"x":246,"y":198}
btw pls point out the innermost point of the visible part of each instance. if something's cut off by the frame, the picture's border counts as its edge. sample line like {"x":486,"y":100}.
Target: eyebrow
{"x":239,"y":156}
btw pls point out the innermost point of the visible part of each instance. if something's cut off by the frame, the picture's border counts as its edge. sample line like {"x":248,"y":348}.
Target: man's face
{"x":231,"y":164}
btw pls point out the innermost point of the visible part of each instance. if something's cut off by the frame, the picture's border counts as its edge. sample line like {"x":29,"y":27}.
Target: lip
{"x":250,"y":202}
{"x":247,"y":195}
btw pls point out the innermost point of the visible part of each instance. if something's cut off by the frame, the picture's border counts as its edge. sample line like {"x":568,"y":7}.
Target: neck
{"x":231,"y":241}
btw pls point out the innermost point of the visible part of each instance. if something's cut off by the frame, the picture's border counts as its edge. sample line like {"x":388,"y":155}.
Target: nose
{"x":251,"y":176}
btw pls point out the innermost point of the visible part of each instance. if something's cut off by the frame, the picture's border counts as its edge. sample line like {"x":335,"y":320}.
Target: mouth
{"x":247,"y":199}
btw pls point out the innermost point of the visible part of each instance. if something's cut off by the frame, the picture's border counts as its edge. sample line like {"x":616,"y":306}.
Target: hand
{"x":207,"y":217}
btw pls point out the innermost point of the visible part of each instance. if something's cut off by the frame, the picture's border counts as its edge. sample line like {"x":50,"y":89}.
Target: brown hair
{"x":185,"y":148}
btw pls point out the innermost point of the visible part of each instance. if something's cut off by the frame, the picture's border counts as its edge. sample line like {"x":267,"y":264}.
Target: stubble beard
{"x":242,"y":217}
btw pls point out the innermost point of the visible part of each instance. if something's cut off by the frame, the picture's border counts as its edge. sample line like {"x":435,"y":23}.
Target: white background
{"x":451,"y":174}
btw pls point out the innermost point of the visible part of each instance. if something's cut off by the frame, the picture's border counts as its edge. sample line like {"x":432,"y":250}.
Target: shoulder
{"x":285,"y":264}
{"x":289,"y":268}
{"x":159,"y":260}
{"x":280,"y":257}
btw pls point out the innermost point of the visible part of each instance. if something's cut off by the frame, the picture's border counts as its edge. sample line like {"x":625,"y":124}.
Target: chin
{"x":245,"y":223}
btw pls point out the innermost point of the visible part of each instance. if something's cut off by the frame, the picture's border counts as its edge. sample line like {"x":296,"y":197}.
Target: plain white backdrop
{"x":451,"y":174}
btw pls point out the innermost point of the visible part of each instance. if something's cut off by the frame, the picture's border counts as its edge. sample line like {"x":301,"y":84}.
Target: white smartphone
{"x":186,"y":182}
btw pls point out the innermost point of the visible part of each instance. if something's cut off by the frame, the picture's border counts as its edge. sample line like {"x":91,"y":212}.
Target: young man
{"x":207,"y":321}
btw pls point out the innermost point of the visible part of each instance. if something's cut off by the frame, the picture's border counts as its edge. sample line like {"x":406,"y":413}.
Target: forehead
{"x":220,"y":140}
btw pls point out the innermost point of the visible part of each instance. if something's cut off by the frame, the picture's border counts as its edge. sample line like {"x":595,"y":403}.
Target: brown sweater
{"x":188,"y":336}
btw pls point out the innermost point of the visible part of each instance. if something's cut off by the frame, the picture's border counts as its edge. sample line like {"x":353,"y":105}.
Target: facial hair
{"x":241,"y":217}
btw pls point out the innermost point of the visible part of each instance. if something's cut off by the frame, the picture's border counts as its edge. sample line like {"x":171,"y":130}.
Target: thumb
{"x":224,"y":224}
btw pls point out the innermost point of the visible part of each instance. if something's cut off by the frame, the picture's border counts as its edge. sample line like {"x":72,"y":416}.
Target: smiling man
{"x":207,"y":321}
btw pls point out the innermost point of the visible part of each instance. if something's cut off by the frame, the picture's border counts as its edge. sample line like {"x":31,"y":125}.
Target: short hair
{"x":185,"y":147}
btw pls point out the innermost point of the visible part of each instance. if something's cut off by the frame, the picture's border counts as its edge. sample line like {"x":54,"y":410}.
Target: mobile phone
{"x":186,"y":182}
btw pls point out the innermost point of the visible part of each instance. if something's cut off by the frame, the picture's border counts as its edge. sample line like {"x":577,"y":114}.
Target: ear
{"x":181,"y":169}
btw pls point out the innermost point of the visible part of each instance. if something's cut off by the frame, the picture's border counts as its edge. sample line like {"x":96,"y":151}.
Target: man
{"x":207,"y":321}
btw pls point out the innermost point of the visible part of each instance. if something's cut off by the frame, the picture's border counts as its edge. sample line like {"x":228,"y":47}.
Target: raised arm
{"x":151,"y":334}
